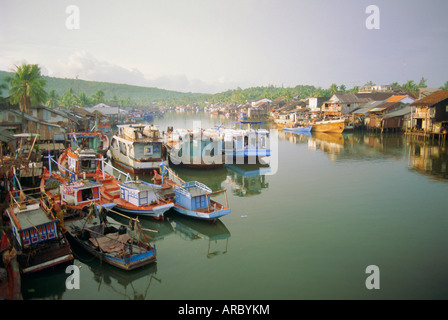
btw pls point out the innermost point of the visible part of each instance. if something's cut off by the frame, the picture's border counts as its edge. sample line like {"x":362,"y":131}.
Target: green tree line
{"x":26,"y":87}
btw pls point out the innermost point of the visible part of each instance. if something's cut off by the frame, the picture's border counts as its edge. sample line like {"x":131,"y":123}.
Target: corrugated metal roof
{"x":6,"y":136}
{"x":398,"y":113}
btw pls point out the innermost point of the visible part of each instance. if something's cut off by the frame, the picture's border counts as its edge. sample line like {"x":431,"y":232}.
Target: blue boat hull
{"x":201,"y":215}
{"x":299,"y":129}
{"x":128,"y":263}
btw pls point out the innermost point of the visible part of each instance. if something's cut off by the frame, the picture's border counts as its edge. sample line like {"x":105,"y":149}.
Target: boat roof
{"x":84,"y":184}
{"x":32,"y":216}
{"x":139,"y":185}
{"x":193,"y":189}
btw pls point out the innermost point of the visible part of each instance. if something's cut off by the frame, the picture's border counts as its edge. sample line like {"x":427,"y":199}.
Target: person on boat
{"x":59,"y":211}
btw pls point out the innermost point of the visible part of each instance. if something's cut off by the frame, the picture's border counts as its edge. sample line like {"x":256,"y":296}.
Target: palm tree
{"x":98,"y":97}
{"x":53,"y":98}
{"x":445,"y":86}
{"x":333,"y":88}
{"x":26,"y":88}
{"x":83,"y":100}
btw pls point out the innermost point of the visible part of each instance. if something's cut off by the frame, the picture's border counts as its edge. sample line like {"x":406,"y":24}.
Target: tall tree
{"x":445,"y":86}
{"x":422,"y":83}
{"x":27,"y":88}
{"x":333,"y":88}
{"x":83,"y":100}
{"x":69,"y":99}
{"x":53,"y":99}
{"x":98,"y":97}
{"x":410,"y":87}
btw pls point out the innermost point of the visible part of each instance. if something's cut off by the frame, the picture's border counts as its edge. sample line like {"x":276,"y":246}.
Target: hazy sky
{"x":211,"y":46}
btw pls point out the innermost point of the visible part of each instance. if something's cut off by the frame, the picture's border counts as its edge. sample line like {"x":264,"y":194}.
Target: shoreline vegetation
{"x":65,"y":93}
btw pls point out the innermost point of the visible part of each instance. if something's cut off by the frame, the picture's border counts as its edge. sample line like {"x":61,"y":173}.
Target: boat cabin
{"x":80,"y":192}
{"x":139,"y":193}
{"x":83,"y":161}
{"x":31,"y":225}
{"x":193,"y":195}
{"x":86,"y":140}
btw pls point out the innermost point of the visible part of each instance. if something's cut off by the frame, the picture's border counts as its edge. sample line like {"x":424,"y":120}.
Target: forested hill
{"x":111,"y":90}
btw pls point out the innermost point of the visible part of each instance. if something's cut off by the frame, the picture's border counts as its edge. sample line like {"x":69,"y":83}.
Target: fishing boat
{"x":82,"y":162}
{"x":329,"y":126}
{"x":141,"y":198}
{"x":113,"y":245}
{"x":298,"y":129}
{"x":193,"y":200}
{"x":190,"y":198}
{"x":95,"y":140}
{"x":137,"y":148}
{"x":38,"y":238}
{"x":195,"y":149}
{"x":243,"y":140}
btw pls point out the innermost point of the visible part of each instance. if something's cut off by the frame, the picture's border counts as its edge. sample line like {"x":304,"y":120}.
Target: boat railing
{"x":23,"y":197}
{"x":104,"y":163}
{"x":50,"y":159}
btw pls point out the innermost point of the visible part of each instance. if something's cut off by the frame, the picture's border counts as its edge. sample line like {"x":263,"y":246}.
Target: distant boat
{"x":141,"y":198}
{"x":298,"y":129}
{"x":329,"y":126}
{"x":39,"y":241}
{"x":105,"y":241}
{"x":195,"y":149}
{"x":137,"y":148}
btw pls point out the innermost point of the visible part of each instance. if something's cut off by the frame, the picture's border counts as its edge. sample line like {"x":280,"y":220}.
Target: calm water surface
{"x":337,"y":204}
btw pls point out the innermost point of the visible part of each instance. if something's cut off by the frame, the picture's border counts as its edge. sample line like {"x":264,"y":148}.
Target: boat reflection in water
{"x":246,"y":180}
{"x":216,"y":234}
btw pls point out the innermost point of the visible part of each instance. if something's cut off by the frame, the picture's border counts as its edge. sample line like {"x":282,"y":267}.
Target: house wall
{"x":441,"y":111}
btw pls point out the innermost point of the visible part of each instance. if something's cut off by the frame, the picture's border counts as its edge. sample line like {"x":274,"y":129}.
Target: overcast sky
{"x":215,"y":45}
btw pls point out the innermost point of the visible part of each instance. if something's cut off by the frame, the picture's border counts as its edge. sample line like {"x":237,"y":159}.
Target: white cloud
{"x":84,"y":65}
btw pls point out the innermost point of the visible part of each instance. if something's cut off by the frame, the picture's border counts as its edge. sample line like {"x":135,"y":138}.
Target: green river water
{"x":336,"y":205}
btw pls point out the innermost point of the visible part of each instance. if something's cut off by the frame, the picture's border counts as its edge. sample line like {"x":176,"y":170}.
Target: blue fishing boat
{"x":193,"y":199}
{"x":298,"y":129}
{"x":37,"y":235}
{"x":104,"y":240}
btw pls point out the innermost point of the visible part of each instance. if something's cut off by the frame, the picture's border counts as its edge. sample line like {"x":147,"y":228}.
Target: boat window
{"x":86,"y":194}
{"x":123,"y":148}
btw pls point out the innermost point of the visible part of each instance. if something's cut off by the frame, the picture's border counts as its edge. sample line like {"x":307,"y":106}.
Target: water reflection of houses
{"x":246,"y":180}
{"x":358,"y":146}
{"x":428,"y":159}
{"x":216,"y":234}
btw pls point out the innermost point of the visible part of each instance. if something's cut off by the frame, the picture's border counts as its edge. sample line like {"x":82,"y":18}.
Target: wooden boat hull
{"x":329,"y":127}
{"x":137,"y":169}
{"x":128,"y":263}
{"x":154,"y":211}
{"x":202,"y":214}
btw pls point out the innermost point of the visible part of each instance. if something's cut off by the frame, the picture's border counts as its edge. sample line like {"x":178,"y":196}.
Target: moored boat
{"x":141,"y":198}
{"x":195,"y":149}
{"x":39,"y":240}
{"x":137,"y":148}
{"x":193,"y":199}
{"x":104,"y":240}
{"x":298,"y":129}
{"x":329,"y":126}
{"x":97,"y":141}
{"x":190,"y":198}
